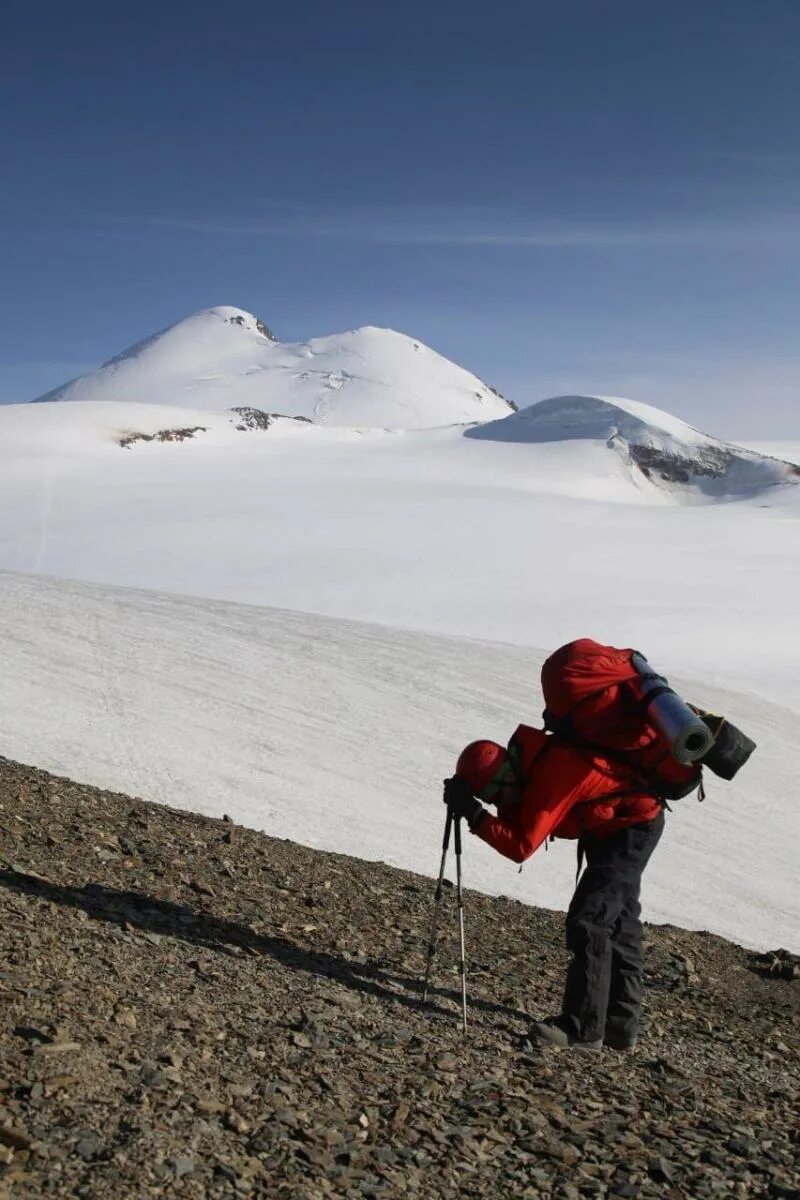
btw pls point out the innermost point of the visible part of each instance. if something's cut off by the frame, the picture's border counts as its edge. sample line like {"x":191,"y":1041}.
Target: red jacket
{"x":568,"y":791}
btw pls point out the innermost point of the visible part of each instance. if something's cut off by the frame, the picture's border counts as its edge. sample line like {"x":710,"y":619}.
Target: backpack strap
{"x":563,"y":728}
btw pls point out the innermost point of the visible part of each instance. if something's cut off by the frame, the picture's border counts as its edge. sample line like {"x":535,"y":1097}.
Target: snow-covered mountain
{"x":223,"y":358}
{"x":578,"y":516}
{"x":656,"y":446}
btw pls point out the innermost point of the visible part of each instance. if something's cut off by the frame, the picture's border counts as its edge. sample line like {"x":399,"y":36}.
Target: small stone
{"x":56,"y":1082}
{"x":240,"y":1090}
{"x":125,"y":1017}
{"x":447,"y":1062}
{"x":57,"y":1048}
{"x":89,"y":1146}
{"x":32,"y":1033}
{"x":236,"y":1122}
{"x":151,"y":1076}
{"x":182,"y":1164}
{"x":400,"y":1116}
{"x":171,"y":1059}
{"x":743,"y":1147}
{"x":202,"y":889}
{"x":661,"y":1169}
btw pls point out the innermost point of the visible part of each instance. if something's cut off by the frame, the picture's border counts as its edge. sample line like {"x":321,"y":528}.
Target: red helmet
{"x":479,"y":762}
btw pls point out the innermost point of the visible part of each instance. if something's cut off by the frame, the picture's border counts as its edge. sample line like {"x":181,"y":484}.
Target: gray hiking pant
{"x":603,"y":992}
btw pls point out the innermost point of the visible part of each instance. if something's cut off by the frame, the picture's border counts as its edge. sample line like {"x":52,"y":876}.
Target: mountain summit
{"x":658,"y":448}
{"x":224,"y":358}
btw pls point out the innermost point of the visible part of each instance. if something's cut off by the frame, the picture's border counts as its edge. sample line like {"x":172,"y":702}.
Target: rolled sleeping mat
{"x":731,"y":748}
{"x":687,"y":734}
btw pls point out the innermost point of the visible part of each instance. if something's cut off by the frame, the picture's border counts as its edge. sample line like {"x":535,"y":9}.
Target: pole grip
{"x":458,"y":836}
{"x":448,"y":825}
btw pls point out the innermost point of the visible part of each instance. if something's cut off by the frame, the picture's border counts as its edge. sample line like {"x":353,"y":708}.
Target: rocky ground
{"x":190,"y":1008}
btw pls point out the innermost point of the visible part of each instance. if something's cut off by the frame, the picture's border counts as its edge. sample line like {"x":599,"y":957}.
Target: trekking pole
{"x":437,"y":904}
{"x":463,"y":958}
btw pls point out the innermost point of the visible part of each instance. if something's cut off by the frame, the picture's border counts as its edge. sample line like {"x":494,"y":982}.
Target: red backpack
{"x":594,"y":697}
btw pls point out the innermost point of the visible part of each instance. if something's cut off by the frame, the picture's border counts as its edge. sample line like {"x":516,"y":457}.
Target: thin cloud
{"x":764,"y":229}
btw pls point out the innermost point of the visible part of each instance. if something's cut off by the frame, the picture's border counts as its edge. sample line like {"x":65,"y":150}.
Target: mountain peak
{"x":597,"y":416}
{"x":240,"y":317}
{"x":225,"y":357}
{"x":658,"y":449}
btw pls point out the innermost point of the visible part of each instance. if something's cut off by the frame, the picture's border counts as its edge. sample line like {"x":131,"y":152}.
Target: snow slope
{"x":528,"y":543}
{"x":223,"y":358}
{"x":338,"y":734}
{"x":658,"y":448}
{"x":786,"y":450}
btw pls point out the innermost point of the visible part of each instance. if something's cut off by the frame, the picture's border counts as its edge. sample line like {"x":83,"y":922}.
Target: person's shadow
{"x":179,"y":921}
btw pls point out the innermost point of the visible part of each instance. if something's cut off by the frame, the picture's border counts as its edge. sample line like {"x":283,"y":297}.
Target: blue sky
{"x":562,"y":196}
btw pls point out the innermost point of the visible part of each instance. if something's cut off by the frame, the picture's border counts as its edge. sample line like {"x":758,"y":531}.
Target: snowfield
{"x":530,"y":543}
{"x":334,"y":608}
{"x":337,"y":734}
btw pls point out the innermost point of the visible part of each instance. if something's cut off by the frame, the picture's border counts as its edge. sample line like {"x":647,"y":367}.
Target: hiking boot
{"x":619,"y":1041}
{"x":555,"y":1032}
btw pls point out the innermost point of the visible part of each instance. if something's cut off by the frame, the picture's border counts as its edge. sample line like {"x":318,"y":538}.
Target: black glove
{"x":459,"y":799}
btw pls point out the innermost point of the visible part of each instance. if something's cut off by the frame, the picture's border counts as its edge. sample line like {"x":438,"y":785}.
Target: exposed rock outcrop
{"x":162,"y":435}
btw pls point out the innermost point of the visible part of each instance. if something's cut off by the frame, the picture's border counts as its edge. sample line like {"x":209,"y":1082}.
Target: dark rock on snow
{"x":255,"y":418}
{"x":251,"y":418}
{"x":191,"y":1008}
{"x":163,"y":435}
{"x":675,"y":468}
